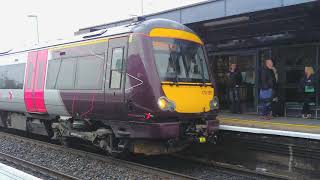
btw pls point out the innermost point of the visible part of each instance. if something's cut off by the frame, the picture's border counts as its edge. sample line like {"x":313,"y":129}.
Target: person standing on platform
{"x":234,"y":82}
{"x":268,"y":85}
{"x":307,"y":87}
{"x":276,"y":105}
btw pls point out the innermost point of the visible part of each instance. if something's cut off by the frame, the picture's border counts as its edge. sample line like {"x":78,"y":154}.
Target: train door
{"x":35,"y":80}
{"x":114,"y":90}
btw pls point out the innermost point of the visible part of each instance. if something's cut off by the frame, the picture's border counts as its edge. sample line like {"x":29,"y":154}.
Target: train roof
{"x":139,"y":26}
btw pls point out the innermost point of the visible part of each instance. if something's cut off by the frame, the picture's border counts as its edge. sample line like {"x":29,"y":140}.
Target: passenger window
{"x":116,"y":68}
{"x":61,"y":74}
{"x":80,"y":50}
{"x":52,"y":73}
{"x":66,"y":74}
{"x":89,"y":72}
{"x":12,"y":76}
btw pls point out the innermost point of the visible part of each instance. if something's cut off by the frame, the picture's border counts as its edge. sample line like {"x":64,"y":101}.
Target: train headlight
{"x":165,"y":104}
{"x":162,"y":103}
{"x":214,"y":103}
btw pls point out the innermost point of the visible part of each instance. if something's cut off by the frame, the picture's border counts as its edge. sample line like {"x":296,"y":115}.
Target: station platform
{"x":282,"y":126}
{"x":10,"y":173}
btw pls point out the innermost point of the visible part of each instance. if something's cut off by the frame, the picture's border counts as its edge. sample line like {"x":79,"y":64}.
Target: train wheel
{"x":64,"y":141}
{"x":115,"y":147}
{"x":123,"y":151}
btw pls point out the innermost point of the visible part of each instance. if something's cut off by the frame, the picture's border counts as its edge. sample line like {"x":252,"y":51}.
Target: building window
{"x":12,"y":76}
{"x":292,"y":60}
{"x":294,"y":75}
{"x":299,"y":56}
{"x":89,"y":72}
{"x":116,"y":68}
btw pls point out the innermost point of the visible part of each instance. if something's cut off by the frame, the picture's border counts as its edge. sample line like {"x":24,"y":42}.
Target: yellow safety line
{"x":268,"y":123}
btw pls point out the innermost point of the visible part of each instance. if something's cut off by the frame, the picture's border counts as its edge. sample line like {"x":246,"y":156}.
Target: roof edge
{"x":152,"y":14}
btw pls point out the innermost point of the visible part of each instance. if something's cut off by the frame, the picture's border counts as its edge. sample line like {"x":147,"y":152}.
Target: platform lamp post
{"x":141,"y":7}
{"x":36,"y":17}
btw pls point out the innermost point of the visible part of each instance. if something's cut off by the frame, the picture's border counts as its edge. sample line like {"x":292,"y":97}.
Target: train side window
{"x":12,"y":76}
{"x":61,"y":74}
{"x":66,"y":74}
{"x":116,"y":68}
{"x":89,"y":72}
{"x":17,"y":75}
{"x":52,"y":73}
{"x":80,"y":50}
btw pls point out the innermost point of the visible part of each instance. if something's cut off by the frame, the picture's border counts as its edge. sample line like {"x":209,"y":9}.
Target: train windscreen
{"x":180,"y":60}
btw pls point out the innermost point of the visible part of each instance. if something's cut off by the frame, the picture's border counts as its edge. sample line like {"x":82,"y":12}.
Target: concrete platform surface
{"x":284,"y":126}
{"x":10,"y":173}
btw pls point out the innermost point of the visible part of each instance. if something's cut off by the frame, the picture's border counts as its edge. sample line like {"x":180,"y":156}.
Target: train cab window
{"x":180,"y":61}
{"x":89,"y":72}
{"x":116,"y":68}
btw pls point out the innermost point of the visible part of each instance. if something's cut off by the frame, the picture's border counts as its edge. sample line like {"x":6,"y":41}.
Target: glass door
{"x":246,"y":62}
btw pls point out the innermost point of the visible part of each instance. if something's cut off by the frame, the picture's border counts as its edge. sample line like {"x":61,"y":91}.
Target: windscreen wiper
{"x":174,"y":68}
{"x":202,"y":74}
{"x":177,"y":79}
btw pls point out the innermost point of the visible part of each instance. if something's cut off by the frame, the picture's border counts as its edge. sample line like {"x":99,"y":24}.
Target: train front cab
{"x":172,"y":97}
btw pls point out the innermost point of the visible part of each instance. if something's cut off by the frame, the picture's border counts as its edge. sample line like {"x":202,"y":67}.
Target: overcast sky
{"x":61,"y":18}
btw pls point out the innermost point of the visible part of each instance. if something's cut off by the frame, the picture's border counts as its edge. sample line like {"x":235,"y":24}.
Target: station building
{"x":247,"y":32}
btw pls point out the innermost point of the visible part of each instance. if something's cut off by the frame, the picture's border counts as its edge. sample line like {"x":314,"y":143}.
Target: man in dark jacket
{"x":234,"y":82}
{"x":268,"y":84}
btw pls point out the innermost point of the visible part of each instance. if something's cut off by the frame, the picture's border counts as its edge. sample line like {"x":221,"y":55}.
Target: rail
{"x":132,"y":165}
{"x":43,"y":170}
{"x":239,"y":170}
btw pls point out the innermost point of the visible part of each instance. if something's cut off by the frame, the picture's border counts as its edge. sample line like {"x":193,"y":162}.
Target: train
{"x":144,"y":88}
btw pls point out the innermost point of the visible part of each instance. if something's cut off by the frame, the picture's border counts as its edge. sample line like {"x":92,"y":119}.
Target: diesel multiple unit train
{"x":144,"y":88}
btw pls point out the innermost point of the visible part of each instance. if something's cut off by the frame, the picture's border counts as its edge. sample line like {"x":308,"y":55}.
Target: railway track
{"x":165,"y":174}
{"x":147,"y":168}
{"x":36,"y":168}
{"x":238,"y":170}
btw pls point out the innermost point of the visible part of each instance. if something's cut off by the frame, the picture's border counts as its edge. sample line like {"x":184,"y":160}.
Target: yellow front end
{"x":183,"y":71}
{"x":189,"y":97}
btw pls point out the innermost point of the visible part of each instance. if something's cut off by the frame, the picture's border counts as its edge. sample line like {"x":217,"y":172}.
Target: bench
{"x":293,"y":109}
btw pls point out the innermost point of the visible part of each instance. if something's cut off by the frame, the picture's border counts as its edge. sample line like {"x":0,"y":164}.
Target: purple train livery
{"x":143,"y":88}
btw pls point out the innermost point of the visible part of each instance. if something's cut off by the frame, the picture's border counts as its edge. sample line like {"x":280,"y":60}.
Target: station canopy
{"x":228,"y":23}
